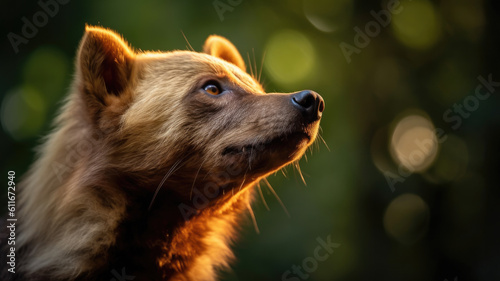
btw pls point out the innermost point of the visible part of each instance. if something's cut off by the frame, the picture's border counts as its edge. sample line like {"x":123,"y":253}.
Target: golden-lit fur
{"x":147,"y":173}
{"x":219,"y":47}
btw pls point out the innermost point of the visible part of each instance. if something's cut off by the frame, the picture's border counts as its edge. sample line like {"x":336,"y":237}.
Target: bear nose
{"x":310,"y":103}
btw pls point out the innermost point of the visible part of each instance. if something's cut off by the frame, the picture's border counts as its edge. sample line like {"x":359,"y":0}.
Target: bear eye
{"x":212,"y":87}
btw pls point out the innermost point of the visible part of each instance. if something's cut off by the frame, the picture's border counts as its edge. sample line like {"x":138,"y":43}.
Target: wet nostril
{"x":321,"y":106}
{"x":309,"y":103}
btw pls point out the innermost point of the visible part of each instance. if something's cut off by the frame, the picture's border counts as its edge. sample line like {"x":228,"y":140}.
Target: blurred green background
{"x":409,"y":185}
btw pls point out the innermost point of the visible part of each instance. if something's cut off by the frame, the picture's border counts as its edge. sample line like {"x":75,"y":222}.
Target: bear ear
{"x":222,"y":48}
{"x":104,"y":63}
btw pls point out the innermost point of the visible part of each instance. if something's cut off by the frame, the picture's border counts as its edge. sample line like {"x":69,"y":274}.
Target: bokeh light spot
{"x":290,"y":57}
{"x":417,"y":25}
{"x":23,"y":113}
{"x":406,"y":218}
{"x":414,"y":143}
{"x":467,"y":16}
{"x":47,"y":71}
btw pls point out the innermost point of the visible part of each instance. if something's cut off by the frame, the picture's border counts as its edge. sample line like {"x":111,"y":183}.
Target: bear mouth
{"x":287,"y":143}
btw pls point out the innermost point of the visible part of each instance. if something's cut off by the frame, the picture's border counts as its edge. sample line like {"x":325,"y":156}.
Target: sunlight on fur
{"x":151,"y":164}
